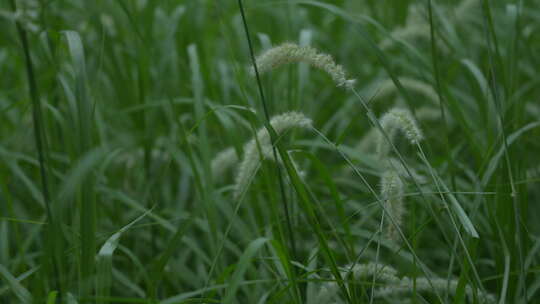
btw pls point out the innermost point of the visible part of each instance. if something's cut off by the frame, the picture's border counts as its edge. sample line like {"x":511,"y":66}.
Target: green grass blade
{"x":86,"y":197}
{"x":51,"y":298}
{"x":22,"y":293}
{"x":243,"y":263}
{"x":105,"y":259}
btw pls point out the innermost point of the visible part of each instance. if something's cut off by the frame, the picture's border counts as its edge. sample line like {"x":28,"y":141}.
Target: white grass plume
{"x":397,"y":120}
{"x":395,"y":286}
{"x":368,"y":141}
{"x":383,"y":273}
{"x":227,"y":158}
{"x":392,"y":195}
{"x":406,"y":285}
{"x":223,"y":161}
{"x":290,"y":52}
{"x":252,"y":156}
{"x":327,"y":293}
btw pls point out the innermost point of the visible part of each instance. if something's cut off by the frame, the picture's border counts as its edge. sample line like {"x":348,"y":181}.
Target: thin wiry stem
{"x":491,"y":40}
{"x":377,"y":124}
{"x":423,"y":268}
{"x":377,"y":253}
{"x":270,"y":131}
{"x":437,"y":182}
{"x":261,"y":146}
{"x":40,"y":140}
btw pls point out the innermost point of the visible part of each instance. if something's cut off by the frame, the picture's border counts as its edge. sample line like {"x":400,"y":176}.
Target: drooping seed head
{"x":223,"y":161}
{"x":397,"y":119}
{"x":290,"y":53}
{"x":383,"y":273}
{"x":252,"y":155}
{"x":361,"y":272}
{"x":422,"y":284}
{"x":392,"y":196}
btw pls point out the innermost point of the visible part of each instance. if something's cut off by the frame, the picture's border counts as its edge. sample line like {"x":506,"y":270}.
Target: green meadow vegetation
{"x":263,"y":151}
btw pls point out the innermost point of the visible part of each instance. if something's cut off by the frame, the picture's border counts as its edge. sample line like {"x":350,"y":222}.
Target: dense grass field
{"x":258,"y":151}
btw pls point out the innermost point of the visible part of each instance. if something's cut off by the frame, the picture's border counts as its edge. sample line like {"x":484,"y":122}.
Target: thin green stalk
{"x":273,"y":136}
{"x":442,"y":103}
{"x":494,"y":59}
{"x":423,"y":268}
{"x":438,"y":83}
{"x":52,"y":231}
{"x":438,"y":182}
{"x":86,"y":192}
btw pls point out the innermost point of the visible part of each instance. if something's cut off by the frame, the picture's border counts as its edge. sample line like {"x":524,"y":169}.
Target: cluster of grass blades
{"x":251,"y":151}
